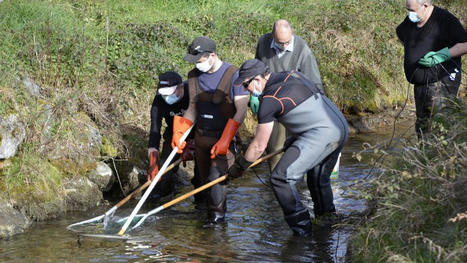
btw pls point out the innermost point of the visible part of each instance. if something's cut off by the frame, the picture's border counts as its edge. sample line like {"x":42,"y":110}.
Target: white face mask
{"x":204,"y":66}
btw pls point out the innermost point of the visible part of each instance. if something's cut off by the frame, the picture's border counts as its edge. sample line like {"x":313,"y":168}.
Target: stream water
{"x":255,"y":230}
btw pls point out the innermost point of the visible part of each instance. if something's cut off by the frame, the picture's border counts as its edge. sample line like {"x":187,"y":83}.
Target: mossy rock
{"x":107,"y":148}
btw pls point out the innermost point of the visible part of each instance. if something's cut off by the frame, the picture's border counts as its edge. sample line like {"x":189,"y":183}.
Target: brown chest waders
{"x":213,"y":111}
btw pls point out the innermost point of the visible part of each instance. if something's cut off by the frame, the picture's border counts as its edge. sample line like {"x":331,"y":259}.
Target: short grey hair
{"x":424,"y":1}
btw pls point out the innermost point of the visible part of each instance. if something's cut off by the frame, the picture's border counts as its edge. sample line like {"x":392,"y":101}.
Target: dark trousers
{"x":431,"y":98}
{"x":211,"y":169}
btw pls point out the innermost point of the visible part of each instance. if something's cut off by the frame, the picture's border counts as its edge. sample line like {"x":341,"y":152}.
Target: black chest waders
{"x":213,"y":111}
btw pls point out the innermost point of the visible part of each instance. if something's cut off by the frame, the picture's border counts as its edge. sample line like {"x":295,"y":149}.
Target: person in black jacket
{"x":171,"y":99}
{"x":434,"y":41}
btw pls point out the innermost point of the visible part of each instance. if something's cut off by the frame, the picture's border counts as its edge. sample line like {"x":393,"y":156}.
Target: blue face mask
{"x":413,"y":17}
{"x":171,"y":99}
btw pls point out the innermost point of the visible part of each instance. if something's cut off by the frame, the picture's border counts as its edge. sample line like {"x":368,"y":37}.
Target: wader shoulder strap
{"x":193,"y":85}
{"x":226,"y":81}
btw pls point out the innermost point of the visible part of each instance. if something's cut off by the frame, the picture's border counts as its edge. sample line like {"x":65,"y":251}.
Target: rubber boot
{"x":300,"y":223}
{"x":319,"y":184}
{"x":217,"y":198}
{"x":327,"y":220}
{"x":216,"y":215}
{"x":201,"y":198}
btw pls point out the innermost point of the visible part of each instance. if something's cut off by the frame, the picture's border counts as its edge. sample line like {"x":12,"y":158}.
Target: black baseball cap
{"x":168,"y":82}
{"x":249,"y":69}
{"x":199,"y":47}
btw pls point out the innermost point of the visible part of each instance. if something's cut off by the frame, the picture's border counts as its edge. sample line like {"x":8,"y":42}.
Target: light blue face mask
{"x":256,"y":93}
{"x":413,"y":17}
{"x":171,"y":99}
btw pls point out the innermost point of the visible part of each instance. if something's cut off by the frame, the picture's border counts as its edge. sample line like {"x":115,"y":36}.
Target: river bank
{"x":420,"y":213}
{"x":87,"y":192}
{"x":255,"y":230}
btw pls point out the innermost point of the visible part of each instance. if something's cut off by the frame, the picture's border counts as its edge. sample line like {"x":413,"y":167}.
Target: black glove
{"x":237,"y":169}
{"x":288,"y":142}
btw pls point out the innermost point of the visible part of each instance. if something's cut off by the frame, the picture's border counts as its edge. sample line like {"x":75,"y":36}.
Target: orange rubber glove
{"x":222,"y":145}
{"x":153,"y":166}
{"x":181,"y":125}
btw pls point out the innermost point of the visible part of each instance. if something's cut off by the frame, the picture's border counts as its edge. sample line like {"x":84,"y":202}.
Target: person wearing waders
{"x":434,"y":41}
{"x":218,"y":109}
{"x":319,"y":131}
{"x":171,"y":99}
{"x":282,"y":50}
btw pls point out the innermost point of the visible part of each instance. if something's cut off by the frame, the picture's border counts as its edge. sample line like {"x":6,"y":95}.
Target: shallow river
{"x":255,"y":230}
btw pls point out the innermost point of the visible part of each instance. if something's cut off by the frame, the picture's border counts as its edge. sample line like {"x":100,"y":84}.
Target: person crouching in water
{"x":171,"y":100}
{"x":319,"y":133}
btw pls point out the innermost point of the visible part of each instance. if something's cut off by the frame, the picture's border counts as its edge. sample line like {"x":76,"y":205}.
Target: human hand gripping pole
{"x":153,"y":165}
{"x":181,"y":140}
{"x":239,"y":166}
{"x":112,"y":210}
{"x":197,"y":190}
{"x":180,"y":126}
{"x":222,"y":145}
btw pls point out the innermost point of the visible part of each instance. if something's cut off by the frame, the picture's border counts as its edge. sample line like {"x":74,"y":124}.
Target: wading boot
{"x":217,"y":198}
{"x":201,"y":201}
{"x":216,"y":214}
{"x":327,"y":219}
{"x":300,"y":223}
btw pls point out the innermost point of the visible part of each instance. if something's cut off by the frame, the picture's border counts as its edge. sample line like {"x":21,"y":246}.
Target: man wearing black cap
{"x":218,"y":108}
{"x":171,"y":100}
{"x":319,"y":132}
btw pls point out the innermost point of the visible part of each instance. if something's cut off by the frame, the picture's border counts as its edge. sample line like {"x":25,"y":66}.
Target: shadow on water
{"x":255,"y":230}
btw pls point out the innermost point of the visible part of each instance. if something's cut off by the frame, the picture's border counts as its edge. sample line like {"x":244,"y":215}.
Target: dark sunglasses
{"x":247,"y":83}
{"x":197,"y":51}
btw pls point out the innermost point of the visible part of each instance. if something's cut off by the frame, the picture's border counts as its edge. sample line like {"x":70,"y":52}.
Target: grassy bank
{"x":421,"y":213}
{"x":95,"y":62}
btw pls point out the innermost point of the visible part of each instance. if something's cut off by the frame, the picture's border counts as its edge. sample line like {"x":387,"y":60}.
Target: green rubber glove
{"x":432,"y":58}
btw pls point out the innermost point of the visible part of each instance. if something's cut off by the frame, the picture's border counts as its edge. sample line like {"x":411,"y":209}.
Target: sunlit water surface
{"x":255,"y":230}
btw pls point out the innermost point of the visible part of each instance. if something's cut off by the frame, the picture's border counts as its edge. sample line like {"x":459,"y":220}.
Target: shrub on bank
{"x":420,"y":213}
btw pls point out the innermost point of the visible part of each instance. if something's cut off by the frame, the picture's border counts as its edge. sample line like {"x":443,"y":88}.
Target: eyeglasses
{"x":197,"y":51}
{"x":247,"y":83}
{"x":283,"y":43}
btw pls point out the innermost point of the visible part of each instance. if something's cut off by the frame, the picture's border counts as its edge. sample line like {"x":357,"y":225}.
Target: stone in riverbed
{"x":102,"y":176}
{"x":12,"y":222}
